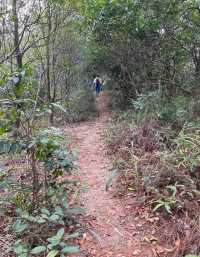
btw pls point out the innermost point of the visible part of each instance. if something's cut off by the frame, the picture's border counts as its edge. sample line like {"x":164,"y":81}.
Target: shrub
{"x":40,"y":210}
{"x":158,"y":165}
{"x":176,"y":111}
{"x":159,"y":168}
{"x":46,"y":231}
{"x":80,"y":105}
{"x":148,"y":105}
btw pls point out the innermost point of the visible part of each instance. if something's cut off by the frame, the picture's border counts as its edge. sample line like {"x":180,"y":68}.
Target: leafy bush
{"x":148,"y":105}
{"x":117,"y":101}
{"x":152,"y":105}
{"x":175,"y":111}
{"x":80,"y":104}
{"x":194,"y":108}
{"x":45,"y":232}
{"x":41,"y":222}
{"x":188,"y":148}
{"x":37,"y":196}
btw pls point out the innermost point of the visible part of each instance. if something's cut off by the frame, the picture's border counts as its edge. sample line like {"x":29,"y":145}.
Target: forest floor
{"x":114,"y":228}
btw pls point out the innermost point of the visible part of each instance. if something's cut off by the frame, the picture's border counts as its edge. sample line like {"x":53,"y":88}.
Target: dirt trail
{"x":111,"y":236}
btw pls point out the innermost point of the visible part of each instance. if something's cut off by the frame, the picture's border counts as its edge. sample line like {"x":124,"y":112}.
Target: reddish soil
{"x":111,"y":233}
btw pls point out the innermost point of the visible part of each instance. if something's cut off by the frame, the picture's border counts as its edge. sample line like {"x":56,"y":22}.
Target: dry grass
{"x":145,"y":155}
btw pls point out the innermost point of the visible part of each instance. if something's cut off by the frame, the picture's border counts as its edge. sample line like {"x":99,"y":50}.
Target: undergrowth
{"x":35,"y":169}
{"x":42,"y":222}
{"x":80,"y":105}
{"x":158,"y":164}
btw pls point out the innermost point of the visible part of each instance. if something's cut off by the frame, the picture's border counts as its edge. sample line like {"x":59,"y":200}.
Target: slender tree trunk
{"x":35,"y":182}
{"x":198,"y":71}
{"x":196,"y":60}
{"x":54,"y":89}
{"x":16,"y":35}
{"x":48,"y":62}
{"x":18,"y":60}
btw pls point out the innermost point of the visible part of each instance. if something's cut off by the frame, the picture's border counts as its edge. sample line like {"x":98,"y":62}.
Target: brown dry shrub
{"x":157,"y":169}
{"x":181,"y":235}
{"x":149,"y":136}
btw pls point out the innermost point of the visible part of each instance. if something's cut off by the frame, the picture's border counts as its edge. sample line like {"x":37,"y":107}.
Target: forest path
{"x":110,"y":235}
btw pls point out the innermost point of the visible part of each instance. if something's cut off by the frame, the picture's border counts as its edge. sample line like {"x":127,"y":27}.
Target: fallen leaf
{"x":153,"y":219}
{"x":150,"y":239}
{"x":160,"y":249}
{"x":178,"y":243}
{"x":136,"y":252}
{"x":169,"y":250}
{"x":139,"y":225}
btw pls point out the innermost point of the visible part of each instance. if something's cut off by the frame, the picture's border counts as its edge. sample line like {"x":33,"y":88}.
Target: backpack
{"x":98,"y":82}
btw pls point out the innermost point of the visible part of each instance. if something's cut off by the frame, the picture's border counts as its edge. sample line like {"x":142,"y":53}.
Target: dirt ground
{"x":112,"y":232}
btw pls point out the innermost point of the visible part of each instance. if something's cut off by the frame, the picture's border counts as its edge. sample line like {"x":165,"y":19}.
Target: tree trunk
{"x":48,"y":62}
{"x":35,"y":183}
{"x":54,"y":90}
{"x":196,"y":90}
{"x":18,"y":61}
{"x":16,"y":35}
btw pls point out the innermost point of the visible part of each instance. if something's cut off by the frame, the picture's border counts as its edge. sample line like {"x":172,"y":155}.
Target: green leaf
{"x":158,"y":206}
{"x":53,"y":253}
{"x":4,"y":147}
{"x":38,"y":250}
{"x":50,"y":246}
{"x":54,"y":217}
{"x":53,"y":243}
{"x":63,"y":244}
{"x":41,"y":220}
{"x":45,"y":211}
{"x":71,"y":249}
{"x":19,"y":226}
{"x":7,"y":147}
{"x":19,"y":249}
{"x":19,"y":89}
{"x":49,"y":165}
{"x":44,"y":216}
{"x":168,"y":208}
{"x":55,"y":240}
{"x":59,"y":211}
{"x":3,"y":130}
{"x":76,"y":211}
{"x":23,"y":255}
{"x":65,"y":204}
{"x":59,"y":107}
{"x":60,"y":234}
{"x":74,"y":235}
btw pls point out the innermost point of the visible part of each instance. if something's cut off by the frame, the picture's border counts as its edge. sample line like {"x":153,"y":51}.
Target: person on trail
{"x":97,"y":84}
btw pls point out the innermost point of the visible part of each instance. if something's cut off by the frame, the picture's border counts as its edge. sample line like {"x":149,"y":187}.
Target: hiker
{"x":97,"y":85}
